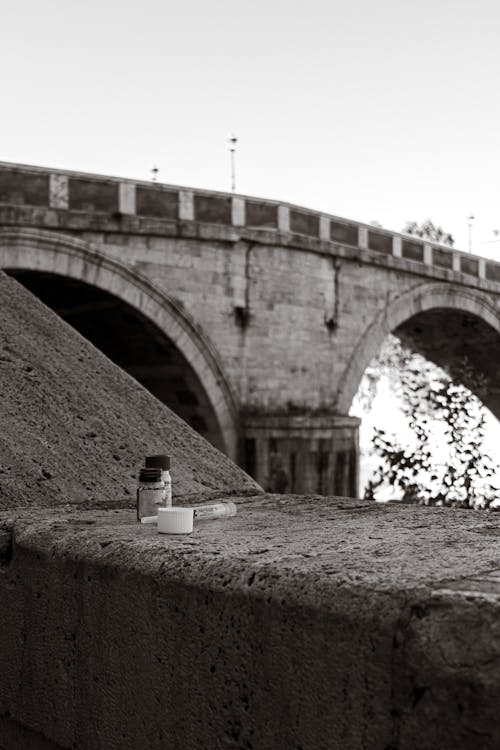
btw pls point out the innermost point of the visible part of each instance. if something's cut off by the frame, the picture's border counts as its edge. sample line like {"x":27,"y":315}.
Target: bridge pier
{"x":302,"y":453}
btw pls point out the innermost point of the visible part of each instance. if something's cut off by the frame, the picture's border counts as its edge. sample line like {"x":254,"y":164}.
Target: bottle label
{"x":208,"y":510}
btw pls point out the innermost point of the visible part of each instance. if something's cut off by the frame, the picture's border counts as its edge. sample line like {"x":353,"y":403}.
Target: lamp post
{"x":232,"y":140}
{"x":470,"y":219}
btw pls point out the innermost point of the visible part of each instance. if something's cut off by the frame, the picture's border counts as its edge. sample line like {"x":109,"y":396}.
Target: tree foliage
{"x":429,"y":231}
{"x":430,"y":396}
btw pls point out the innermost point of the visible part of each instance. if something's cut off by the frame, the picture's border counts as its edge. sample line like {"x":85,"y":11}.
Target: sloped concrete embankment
{"x":75,"y":428}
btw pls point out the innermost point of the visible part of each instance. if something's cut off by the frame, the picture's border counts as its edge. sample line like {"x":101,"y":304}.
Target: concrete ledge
{"x":302,"y":622}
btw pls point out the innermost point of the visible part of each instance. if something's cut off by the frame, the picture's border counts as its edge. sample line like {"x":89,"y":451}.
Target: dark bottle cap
{"x":161,"y":462}
{"x":152,"y":474}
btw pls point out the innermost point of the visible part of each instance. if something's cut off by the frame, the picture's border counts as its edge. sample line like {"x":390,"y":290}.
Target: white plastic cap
{"x":175,"y":520}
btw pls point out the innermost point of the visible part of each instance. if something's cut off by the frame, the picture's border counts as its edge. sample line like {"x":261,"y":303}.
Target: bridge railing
{"x":75,"y":191}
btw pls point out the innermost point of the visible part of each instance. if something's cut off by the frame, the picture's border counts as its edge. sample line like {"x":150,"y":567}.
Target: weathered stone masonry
{"x":272,"y":312}
{"x":302,"y":622}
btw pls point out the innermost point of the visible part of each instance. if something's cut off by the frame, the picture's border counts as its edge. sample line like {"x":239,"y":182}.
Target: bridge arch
{"x":66,"y":256}
{"x":422,"y":299}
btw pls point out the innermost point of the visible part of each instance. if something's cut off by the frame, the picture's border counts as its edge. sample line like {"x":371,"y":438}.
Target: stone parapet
{"x":301,"y":622}
{"x":126,"y":199}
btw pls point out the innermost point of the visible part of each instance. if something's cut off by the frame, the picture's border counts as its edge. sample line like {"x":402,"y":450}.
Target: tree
{"x":429,"y":395}
{"x":429,"y":231}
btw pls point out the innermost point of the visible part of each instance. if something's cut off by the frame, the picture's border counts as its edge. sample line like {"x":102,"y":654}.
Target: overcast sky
{"x":375,"y":110}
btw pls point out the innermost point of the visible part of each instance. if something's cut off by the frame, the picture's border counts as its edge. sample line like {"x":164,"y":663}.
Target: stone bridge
{"x":252,"y":319}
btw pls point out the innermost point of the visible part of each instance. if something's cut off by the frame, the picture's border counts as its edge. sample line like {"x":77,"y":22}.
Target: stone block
{"x":158,"y":202}
{"x":126,"y":198}
{"x":301,"y":622}
{"x":24,"y":188}
{"x":58,"y":188}
{"x":238,"y":211}
{"x":380,"y":241}
{"x":283,"y":218}
{"x":304,"y":223}
{"x":260,"y":214}
{"x":469,"y":265}
{"x":186,"y":205}
{"x":92,"y":195}
{"x":213,"y":209}
{"x":413,"y":250}
{"x":442,"y":257}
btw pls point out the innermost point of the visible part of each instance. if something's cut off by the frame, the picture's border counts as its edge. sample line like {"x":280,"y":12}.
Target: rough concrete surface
{"x":75,"y":427}
{"x":301,"y":623}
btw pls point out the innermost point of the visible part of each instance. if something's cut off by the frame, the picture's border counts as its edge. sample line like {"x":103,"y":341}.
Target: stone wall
{"x":301,"y":622}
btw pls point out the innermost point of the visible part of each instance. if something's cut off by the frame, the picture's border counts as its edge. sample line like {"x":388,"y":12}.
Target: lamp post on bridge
{"x":232,"y":140}
{"x":470,"y":219}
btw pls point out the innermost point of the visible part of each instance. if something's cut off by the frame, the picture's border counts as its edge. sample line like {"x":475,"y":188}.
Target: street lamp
{"x":232,"y":140}
{"x":470,"y":219}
